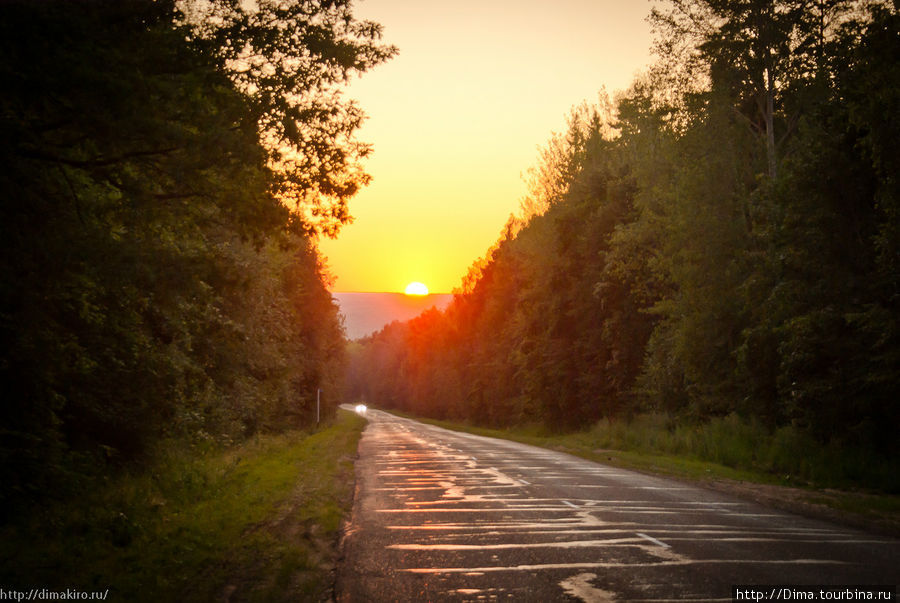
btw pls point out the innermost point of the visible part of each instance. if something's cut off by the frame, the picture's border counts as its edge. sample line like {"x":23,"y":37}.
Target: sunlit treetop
{"x":291,"y":59}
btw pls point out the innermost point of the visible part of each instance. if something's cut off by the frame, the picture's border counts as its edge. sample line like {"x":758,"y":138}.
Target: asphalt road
{"x":447,"y":516}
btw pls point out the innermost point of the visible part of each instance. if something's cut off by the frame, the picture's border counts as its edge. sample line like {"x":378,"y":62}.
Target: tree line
{"x":722,"y":238}
{"x":167,"y":167}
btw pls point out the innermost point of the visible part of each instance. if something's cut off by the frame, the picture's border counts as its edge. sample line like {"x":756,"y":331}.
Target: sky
{"x":457,"y":118}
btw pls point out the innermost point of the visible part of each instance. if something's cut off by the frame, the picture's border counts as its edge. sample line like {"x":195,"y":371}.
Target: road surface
{"x":447,"y":516}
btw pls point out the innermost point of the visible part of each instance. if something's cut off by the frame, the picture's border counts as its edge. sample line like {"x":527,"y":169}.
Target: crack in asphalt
{"x":432,"y":522}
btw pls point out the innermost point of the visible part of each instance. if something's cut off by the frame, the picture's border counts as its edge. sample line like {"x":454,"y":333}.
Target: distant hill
{"x":365,"y":313}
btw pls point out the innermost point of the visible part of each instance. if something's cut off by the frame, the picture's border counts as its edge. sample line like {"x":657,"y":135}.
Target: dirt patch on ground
{"x":299,"y":558}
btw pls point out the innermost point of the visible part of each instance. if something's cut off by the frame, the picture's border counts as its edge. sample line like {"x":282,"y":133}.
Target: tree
{"x":721,"y":245}
{"x":290,"y":59}
{"x":153,"y":281}
{"x":827,"y":296}
{"x":757,"y":51}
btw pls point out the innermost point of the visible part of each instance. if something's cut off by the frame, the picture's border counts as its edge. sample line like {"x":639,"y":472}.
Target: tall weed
{"x":787,"y":453}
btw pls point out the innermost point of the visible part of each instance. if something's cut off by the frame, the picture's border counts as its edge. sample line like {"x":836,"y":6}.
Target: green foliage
{"x":158,"y":276}
{"x":787,"y":454}
{"x":290,"y":59}
{"x":720,"y":248}
{"x":261,"y":517}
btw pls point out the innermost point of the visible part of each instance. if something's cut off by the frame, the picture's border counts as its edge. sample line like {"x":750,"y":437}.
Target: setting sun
{"x":443,"y":188}
{"x":416,"y":289}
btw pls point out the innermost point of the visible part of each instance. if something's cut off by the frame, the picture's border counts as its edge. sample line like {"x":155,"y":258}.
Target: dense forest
{"x":167,"y":167}
{"x":721,"y":240}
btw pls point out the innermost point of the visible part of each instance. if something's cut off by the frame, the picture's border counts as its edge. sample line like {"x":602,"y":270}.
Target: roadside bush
{"x":733,"y":441}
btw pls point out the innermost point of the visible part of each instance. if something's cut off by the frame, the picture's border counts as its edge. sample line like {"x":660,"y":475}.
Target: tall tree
{"x":291,"y":60}
{"x":153,"y":280}
{"x":757,"y":51}
{"x":726,"y":244}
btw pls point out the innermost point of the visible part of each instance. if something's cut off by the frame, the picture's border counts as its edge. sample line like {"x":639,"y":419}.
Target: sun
{"x":416,"y":289}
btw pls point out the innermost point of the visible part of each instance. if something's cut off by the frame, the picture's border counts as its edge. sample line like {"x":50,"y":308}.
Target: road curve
{"x":447,"y":516}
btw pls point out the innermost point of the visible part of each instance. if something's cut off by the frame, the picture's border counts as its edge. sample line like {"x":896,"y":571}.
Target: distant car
{"x":361,"y":409}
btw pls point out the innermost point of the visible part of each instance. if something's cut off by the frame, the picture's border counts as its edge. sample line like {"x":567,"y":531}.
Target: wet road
{"x":447,"y":516}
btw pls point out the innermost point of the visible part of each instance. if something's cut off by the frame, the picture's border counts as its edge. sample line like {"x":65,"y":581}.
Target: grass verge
{"x":643,"y":446}
{"x":258,"y":522}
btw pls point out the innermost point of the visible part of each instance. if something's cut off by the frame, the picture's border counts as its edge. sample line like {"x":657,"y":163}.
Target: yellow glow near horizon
{"x":416,"y":288}
{"x":457,"y":118}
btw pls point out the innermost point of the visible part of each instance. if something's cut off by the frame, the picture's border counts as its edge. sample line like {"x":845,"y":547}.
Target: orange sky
{"x":456,"y":119}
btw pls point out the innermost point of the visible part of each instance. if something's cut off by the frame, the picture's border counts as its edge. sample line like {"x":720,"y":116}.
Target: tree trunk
{"x":770,"y":121}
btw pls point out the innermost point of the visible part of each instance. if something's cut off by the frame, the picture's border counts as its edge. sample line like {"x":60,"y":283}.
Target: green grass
{"x":260,"y":520}
{"x":784,"y":467}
